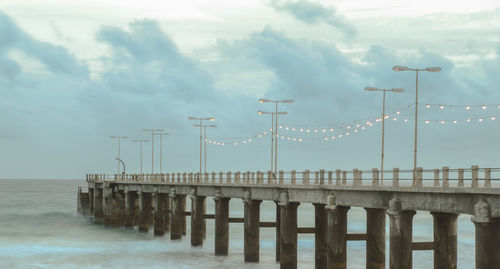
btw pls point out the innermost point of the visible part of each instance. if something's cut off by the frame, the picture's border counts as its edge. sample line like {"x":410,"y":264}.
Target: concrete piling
{"x":251,"y":230}
{"x":445,"y":240}
{"x":288,"y":233}
{"x":375,"y":242}
{"x":221,"y":226}
{"x":176,"y":215}
{"x":320,"y":235}
{"x":144,"y":211}
{"x":487,"y":231}
{"x":159,"y":213}
{"x":278,"y":231}
{"x":197,"y":219}
{"x":337,"y":236}
{"x":130,"y":201}
{"x":400,"y":244}
{"x":98,"y":202}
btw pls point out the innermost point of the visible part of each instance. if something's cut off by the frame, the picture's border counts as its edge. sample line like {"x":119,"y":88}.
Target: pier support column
{"x":130,"y":200}
{"x":177,"y":215}
{"x":400,"y":248}
{"x":375,"y":242}
{"x":159,"y":213}
{"x":221,"y":226}
{"x":91,"y":202}
{"x":197,"y":218}
{"x":445,"y":240}
{"x":113,"y":207}
{"x":144,"y":211}
{"x":278,"y":231}
{"x":98,"y":203}
{"x":288,"y":240}
{"x":321,"y":249}
{"x":167,"y":213}
{"x":183,"y":216}
{"x":252,"y":230}
{"x":487,"y":236}
{"x":336,"y":234}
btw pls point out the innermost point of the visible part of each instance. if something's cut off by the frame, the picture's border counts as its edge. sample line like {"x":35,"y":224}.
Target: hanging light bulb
{"x":480,"y":119}
{"x":324,"y":130}
{"x":315,"y":130}
{"x":442,"y":122}
{"x":427,"y":122}
{"x":293,"y":129}
{"x":326,"y":138}
{"x":300,"y":139}
{"x":357,"y":125}
{"x":294,"y":139}
{"x":333,"y":137}
{"x":331,"y":129}
{"x":493,"y":118}
{"x":405,"y":120}
{"x":428,"y":106}
{"x":308,"y":130}
{"x":348,"y":126}
{"x":287,"y":128}
{"x":340,"y":136}
{"x":347,"y":134}
{"x":467,"y":107}
{"x":395,"y":118}
{"x":467,"y":120}
{"x":455,"y":121}
{"x":362,"y":128}
{"x":281,"y":126}
{"x":484,"y":107}
{"x":398,"y":112}
{"x":260,"y":135}
{"x":235,"y":143}
{"x":355,"y":130}
{"x":441,"y":106}
{"x":301,"y":130}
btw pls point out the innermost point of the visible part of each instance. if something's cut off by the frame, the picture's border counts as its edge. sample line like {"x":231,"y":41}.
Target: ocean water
{"x":39,"y":228}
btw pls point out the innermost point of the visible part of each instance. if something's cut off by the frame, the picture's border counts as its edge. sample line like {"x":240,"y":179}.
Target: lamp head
{"x":370,"y":89}
{"x":288,"y":101}
{"x":283,"y":113}
{"x":398,"y":90}
{"x":192,"y":118}
{"x":264,"y":100}
{"x":433,"y":69}
{"x":211,"y":119}
{"x":400,"y":68}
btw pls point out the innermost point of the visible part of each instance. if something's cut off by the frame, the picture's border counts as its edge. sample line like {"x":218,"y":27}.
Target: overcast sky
{"x":72,"y":73}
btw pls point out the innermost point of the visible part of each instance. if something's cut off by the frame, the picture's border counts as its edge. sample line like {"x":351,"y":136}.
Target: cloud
{"x":311,"y":12}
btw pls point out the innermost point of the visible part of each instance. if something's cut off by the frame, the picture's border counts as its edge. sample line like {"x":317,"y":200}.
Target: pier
{"x":158,"y":201}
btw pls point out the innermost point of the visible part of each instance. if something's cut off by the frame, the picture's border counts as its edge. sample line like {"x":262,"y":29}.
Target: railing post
{"x":357,"y":177}
{"x":281,"y":177}
{"x":221,"y":177}
{"x":213,"y":177}
{"x":487,"y":177}
{"x":419,"y":177}
{"x":436,"y":177}
{"x":184,"y":177}
{"x":446,"y":177}
{"x":395,"y":177}
{"x":338,"y":179}
{"x":190,"y":177}
{"x":259,"y":177}
{"x":375,"y":177}
{"x":305,"y":177}
{"x":237,"y":177}
{"x":269,"y":177}
{"x":460,"y":177}
{"x":475,"y":176}
{"x":293,"y":175}
{"x":229,"y":177}
{"x":322,"y":177}
{"x":316,"y":177}
{"x":330,"y":177}
{"x":252,"y":177}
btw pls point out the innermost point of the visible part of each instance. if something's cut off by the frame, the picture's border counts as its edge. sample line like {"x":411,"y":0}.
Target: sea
{"x":39,"y":228}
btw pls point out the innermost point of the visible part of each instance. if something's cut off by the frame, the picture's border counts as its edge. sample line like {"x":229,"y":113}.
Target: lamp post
{"x":428,"y":69}
{"x":287,"y":101}
{"x":119,"y":139}
{"x":205,"y":143}
{"x":161,"y":150}
{"x":201,"y":135}
{"x":272,"y":131}
{"x":372,"y":89}
{"x":141,"y":141}
{"x":153,"y":132}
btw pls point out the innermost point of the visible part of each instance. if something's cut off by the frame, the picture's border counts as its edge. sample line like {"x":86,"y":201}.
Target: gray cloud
{"x":311,"y":12}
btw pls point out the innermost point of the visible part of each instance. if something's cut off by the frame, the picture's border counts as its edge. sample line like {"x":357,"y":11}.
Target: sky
{"x":73,"y":73}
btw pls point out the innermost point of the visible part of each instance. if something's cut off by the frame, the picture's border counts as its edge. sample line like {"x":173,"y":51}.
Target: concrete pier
{"x":177,"y":216}
{"x":98,"y":202}
{"x":221,"y":226}
{"x":400,"y":244}
{"x":320,"y":236}
{"x":251,"y":230}
{"x":288,"y":232}
{"x":159,"y":213}
{"x":130,"y":201}
{"x":337,"y":236}
{"x":83,"y":202}
{"x":197,"y":219}
{"x":445,"y":240}
{"x":144,"y":211}
{"x":375,"y":241}
{"x":142,"y":200}
{"x":487,"y":236}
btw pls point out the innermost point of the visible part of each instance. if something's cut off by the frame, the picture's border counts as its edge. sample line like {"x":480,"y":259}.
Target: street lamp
{"x":428,"y":69}
{"x":272,"y":131}
{"x":119,"y":138}
{"x":201,"y":135}
{"x":287,"y":101}
{"x":152,"y":146}
{"x":161,"y":151}
{"x":372,"y":89}
{"x":120,"y":160}
{"x":205,"y":142}
{"x":141,"y":141}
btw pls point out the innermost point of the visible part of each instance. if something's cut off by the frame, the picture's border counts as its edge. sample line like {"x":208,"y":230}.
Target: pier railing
{"x":473,"y":177}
